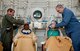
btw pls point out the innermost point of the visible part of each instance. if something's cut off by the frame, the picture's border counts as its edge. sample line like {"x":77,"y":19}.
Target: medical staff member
{"x":71,"y":24}
{"x":7,"y":29}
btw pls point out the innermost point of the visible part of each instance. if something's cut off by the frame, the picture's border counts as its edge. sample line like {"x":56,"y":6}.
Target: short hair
{"x":26,"y":24}
{"x":10,"y":9}
{"x":54,"y":21}
{"x":59,"y":6}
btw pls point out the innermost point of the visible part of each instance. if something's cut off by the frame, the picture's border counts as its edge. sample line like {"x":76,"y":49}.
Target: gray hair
{"x":59,"y":6}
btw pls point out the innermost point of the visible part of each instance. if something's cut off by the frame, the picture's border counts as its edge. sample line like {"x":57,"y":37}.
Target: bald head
{"x":59,"y":8}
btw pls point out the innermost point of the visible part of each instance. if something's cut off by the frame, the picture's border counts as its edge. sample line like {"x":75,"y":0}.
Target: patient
{"x":52,"y":31}
{"x":54,"y":40}
{"x":25,"y":39}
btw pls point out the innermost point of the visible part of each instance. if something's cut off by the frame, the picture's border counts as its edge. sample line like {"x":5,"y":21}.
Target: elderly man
{"x":71,"y":24}
{"x":7,"y":28}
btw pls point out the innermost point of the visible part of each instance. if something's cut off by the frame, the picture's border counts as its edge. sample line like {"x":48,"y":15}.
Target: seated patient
{"x":54,"y":41}
{"x":25,"y":39}
{"x":52,"y":31}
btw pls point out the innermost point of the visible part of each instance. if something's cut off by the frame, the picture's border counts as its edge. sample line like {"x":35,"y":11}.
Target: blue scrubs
{"x":72,"y":27}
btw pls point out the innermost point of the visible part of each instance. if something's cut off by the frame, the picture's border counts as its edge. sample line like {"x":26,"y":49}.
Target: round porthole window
{"x":37,"y":14}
